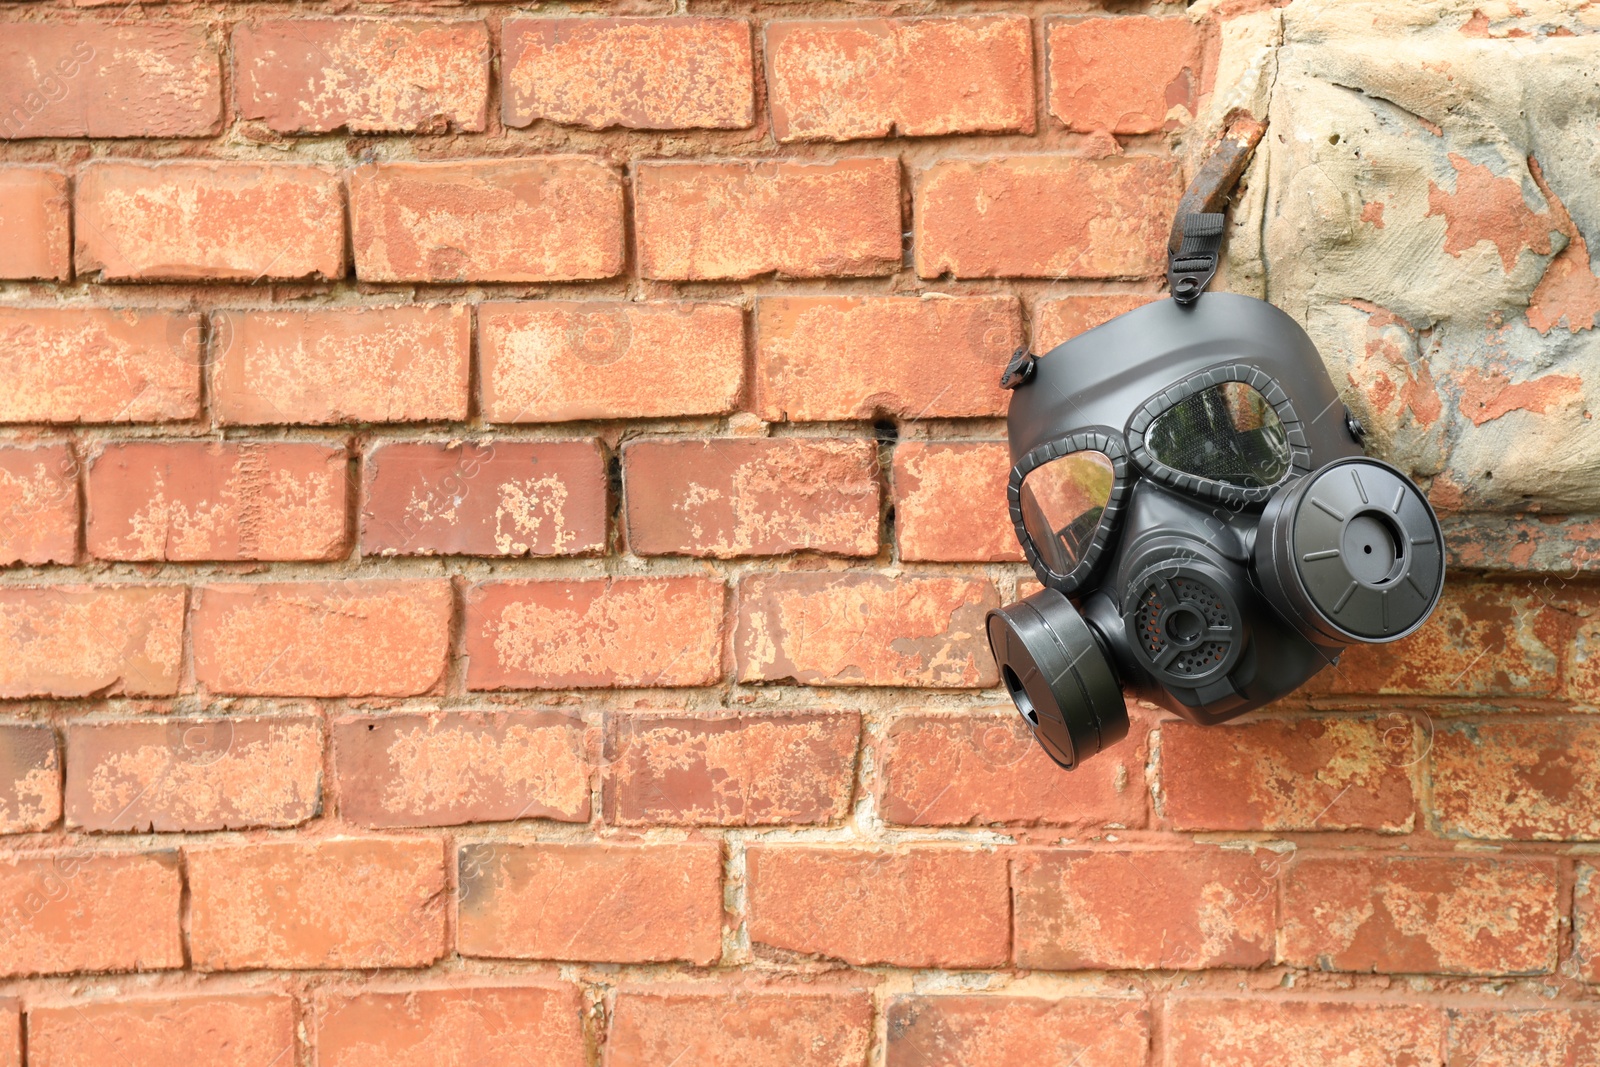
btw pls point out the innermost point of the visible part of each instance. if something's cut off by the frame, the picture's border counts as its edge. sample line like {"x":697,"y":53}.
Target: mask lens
{"x":1225,"y":433}
{"x":1063,"y":504}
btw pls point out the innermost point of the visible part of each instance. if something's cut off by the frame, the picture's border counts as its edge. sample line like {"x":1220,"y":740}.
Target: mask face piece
{"x":1193,"y":496}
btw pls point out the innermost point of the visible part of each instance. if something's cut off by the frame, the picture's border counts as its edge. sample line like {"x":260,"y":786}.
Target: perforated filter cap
{"x":1354,"y":551}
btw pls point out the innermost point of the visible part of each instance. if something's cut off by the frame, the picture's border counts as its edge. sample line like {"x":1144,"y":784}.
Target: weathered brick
{"x":447,"y":768}
{"x":1337,"y":773}
{"x":754,"y":497}
{"x":393,"y":364}
{"x":1273,"y":1032}
{"x":133,"y":78}
{"x":598,"y":632}
{"x":1484,"y":639}
{"x":551,"y":218}
{"x":642,"y":73}
{"x":71,"y":911}
{"x":850,"y":357}
{"x":222,"y":221}
{"x":312,"y":75}
{"x":1123,"y":74}
{"x":1586,"y":922}
{"x":203,"y":500}
{"x":458,"y":1026}
{"x":1420,"y":914}
{"x":240,"y":1030}
{"x":999,"y":1031}
{"x":38,"y":504}
{"x":332,"y":903}
{"x":10,"y":1033}
{"x":608,"y":903}
{"x":193,"y":774}
{"x":920,"y":907}
{"x":357,"y":638}
{"x":30,"y":782}
{"x":740,"y":1027}
{"x":736,"y":769}
{"x":35,"y":240}
{"x":1045,"y":216}
{"x":847,"y":79}
{"x":865,"y":629}
{"x":1508,"y":1037}
{"x":1517,"y":780}
{"x":551,"y":361}
{"x":81,"y":364}
{"x":499,"y":498}
{"x":69,"y":641}
{"x":1580,"y":653}
{"x":743,"y":220}
{"x":1058,"y":321}
{"x":975,"y":769}
{"x":950,"y":502}
{"x":1168,"y":910}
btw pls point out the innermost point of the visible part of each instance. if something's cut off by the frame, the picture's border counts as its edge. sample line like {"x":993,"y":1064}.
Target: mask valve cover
{"x":1185,"y":625}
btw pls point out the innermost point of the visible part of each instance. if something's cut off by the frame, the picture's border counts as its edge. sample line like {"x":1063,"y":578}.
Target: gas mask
{"x":1194,"y":497}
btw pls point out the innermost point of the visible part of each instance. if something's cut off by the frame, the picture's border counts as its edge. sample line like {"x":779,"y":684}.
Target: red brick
{"x":865,"y":629}
{"x":1420,"y":914}
{"x":753,"y":497}
{"x":30,"y":781}
{"x":1517,"y":780}
{"x":222,"y":221}
{"x":1484,"y":639}
{"x":977,"y":769}
{"x":38,"y":504}
{"x":193,"y":774}
{"x":336,"y":903}
{"x":73,"y":911}
{"x":1124,"y":74}
{"x":551,"y":218}
{"x":1273,"y":1032}
{"x":1000,"y":1031}
{"x":1058,"y":321}
{"x":446,"y":768}
{"x":499,"y":498}
{"x":10,"y":1033}
{"x":743,"y":220}
{"x":642,"y":73}
{"x":553,"y":361}
{"x":732,"y":769}
{"x":1337,"y":773}
{"x":461,"y":1026}
{"x":357,"y":638}
{"x":843,"y":80}
{"x":84,"y":364}
{"x":607,"y":903}
{"x":950,"y":502}
{"x":599,"y":632}
{"x":313,"y":75}
{"x":135,"y":78}
{"x":739,"y":1027}
{"x":393,"y":364}
{"x":1586,"y":922}
{"x":1580,"y":651}
{"x":920,"y":907}
{"x":1501,"y":1037}
{"x":1121,"y":910}
{"x":35,"y":241}
{"x":213,"y":1031}
{"x":1045,"y":216}
{"x":202,"y":500}
{"x":850,"y":357}
{"x":68,"y":641}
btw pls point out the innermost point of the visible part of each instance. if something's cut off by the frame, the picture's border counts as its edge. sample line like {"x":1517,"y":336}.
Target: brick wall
{"x":499,"y":507}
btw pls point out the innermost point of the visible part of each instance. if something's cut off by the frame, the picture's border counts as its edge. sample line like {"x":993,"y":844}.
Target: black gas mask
{"x":1193,"y":495}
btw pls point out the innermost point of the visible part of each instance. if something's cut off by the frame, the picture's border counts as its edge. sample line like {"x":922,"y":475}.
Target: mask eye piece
{"x":1225,"y":433}
{"x":1063,"y":504}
